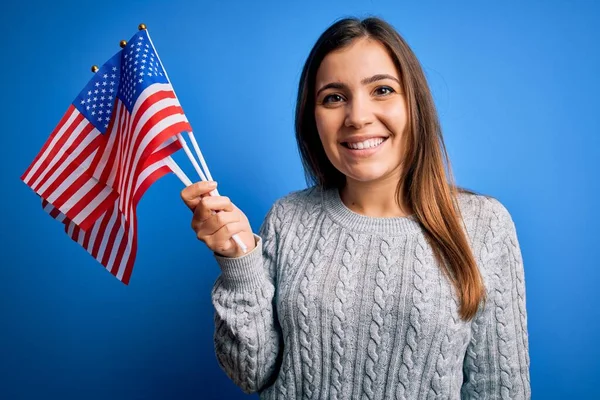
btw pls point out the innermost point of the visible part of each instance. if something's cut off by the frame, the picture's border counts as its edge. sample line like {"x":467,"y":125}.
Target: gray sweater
{"x":335,"y":305}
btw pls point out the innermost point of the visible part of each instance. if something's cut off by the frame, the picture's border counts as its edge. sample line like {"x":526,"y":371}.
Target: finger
{"x":221,"y":239}
{"x":192,"y":194}
{"x":210,"y":205}
{"x":214,"y":223}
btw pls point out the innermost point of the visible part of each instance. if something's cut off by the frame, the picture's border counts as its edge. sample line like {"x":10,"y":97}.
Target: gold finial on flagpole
{"x":123,"y":43}
{"x":141,"y":27}
{"x":95,"y":68}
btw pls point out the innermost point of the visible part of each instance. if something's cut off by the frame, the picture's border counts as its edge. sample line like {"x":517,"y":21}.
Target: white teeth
{"x":367,"y":144}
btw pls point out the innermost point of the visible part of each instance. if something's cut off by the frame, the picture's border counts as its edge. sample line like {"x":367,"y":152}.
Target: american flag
{"x":113,"y":142}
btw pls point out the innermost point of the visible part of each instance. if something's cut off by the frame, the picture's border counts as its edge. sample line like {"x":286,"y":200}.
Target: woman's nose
{"x":358,"y":113}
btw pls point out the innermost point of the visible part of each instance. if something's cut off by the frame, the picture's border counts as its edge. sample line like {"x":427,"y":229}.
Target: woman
{"x":383,"y":280}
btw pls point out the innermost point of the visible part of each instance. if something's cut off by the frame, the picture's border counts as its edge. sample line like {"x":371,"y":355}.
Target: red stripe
{"x":114,"y":160}
{"x":100,"y":162}
{"x":111,"y":240}
{"x":74,"y":165}
{"x":148,"y":102}
{"x":120,"y":252}
{"x":170,"y":131}
{"x":119,"y":172}
{"x":132,"y":255}
{"x":102,"y":222}
{"x":153,"y":177}
{"x":43,"y":170}
{"x":58,"y":127}
{"x":86,"y":239}
{"x":98,"y":209}
{"x":109,"y":129}
{"x":102,"y":208}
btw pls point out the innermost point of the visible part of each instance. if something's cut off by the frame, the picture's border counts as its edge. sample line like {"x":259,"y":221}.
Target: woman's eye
{"x":383,"y":90}
{"x":332,"y":98}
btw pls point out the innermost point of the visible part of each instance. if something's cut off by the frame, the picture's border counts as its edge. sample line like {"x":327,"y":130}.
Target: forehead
{"x":361,"y":59}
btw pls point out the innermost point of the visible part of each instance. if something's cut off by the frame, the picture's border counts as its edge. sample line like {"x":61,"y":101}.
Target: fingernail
{"x":213,"y":184}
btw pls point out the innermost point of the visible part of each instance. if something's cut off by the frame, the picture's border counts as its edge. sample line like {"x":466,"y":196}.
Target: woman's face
{"x":361,"y":112}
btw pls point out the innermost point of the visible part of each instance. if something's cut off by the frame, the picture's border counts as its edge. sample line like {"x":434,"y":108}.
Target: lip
{"x":362,"y":138}
{"x":363,"y":153}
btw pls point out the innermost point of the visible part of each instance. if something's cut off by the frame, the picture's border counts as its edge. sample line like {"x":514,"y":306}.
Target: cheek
{"x":327,"y":127}
{"x":395,"y":117}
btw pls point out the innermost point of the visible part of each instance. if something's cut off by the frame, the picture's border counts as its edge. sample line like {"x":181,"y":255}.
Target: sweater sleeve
{"x":496,"y":364}
{"x":247,"y":336}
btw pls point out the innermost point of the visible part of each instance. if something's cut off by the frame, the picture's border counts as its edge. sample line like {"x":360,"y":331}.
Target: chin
{"x":366,"y":176}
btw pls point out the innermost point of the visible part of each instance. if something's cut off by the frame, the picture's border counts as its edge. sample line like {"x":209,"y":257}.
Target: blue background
{"x":516,"y":84}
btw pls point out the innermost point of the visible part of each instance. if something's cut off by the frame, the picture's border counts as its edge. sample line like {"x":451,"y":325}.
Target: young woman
{"x":383,"y":280}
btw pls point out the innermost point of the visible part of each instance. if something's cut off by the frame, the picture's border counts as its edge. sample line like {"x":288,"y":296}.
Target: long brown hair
{"x":426,"y":184}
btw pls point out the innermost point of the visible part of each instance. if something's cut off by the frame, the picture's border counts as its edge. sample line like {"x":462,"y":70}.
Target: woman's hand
{"x":216,"y":219}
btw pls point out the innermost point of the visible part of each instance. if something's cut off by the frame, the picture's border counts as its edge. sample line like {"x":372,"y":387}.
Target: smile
{"x":367,"y":144}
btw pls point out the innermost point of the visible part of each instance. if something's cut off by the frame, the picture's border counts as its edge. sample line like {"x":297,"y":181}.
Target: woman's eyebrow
{"x":332,"y":85}
{"x":379,"y":77}
{"x":366,"y":81}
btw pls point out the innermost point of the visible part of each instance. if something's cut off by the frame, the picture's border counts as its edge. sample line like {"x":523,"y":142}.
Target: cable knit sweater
{"x":335,"y":305}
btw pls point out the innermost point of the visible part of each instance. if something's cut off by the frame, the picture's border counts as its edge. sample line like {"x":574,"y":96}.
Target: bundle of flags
{"x":114,"y":141}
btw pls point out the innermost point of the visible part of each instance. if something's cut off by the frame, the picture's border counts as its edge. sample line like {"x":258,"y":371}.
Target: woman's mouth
{"x":364,"y":148}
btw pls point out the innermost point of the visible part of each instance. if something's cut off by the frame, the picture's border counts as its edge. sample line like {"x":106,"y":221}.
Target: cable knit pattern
{"x":414,"y":332}
{"x":333,"y":304}
{"x":341,"y":309}
{"x":307,"y":311}
{"x":383,"y":300}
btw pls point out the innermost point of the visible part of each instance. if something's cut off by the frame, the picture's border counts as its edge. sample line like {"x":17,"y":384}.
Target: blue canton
{"x":97,"y":98}
{"x":140,"y":68}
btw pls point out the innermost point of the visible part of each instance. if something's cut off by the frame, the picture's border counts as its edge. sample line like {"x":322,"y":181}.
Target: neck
{"x":374,"y":199}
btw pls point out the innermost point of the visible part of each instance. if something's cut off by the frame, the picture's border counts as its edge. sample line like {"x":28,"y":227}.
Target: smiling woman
{"x":383,"y":279}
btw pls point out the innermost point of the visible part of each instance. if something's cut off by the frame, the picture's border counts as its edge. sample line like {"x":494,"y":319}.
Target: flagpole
{"x":186,"y":149}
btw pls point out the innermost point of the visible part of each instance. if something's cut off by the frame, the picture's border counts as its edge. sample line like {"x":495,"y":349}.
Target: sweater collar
{"x":353,"y":221}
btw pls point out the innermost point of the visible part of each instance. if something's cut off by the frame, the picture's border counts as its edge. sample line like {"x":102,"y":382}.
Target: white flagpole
{"x":199,"y":154}
{"x":180,"y":174}
{"x":235,"y":237}
{"x":187,"y":182}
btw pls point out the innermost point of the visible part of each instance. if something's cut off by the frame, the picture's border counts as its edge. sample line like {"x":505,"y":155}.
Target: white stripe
{"x":150,"y":112}
{"x":127,"y":252}
{"x":81,"y":237}
{"x":78,"y":195}
{"x":70,"y":229}
{"x":68,"y":182}
{"x":92,"y":205}
{"x":94,"y":231}
{"x":111,"y":139}
{"x":119,"y":166}
{"x":116,"y":244}
{"x":50,"y":208}
{"x":156,"y":129}
{"x":106,"y":235}
{"x":166,"y":143}
{"x":50,"y":147}
{"x":59,"y":153}
{"x":149,"y":91}
{"x":69,"y":161}
{"x":146,"y":173}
